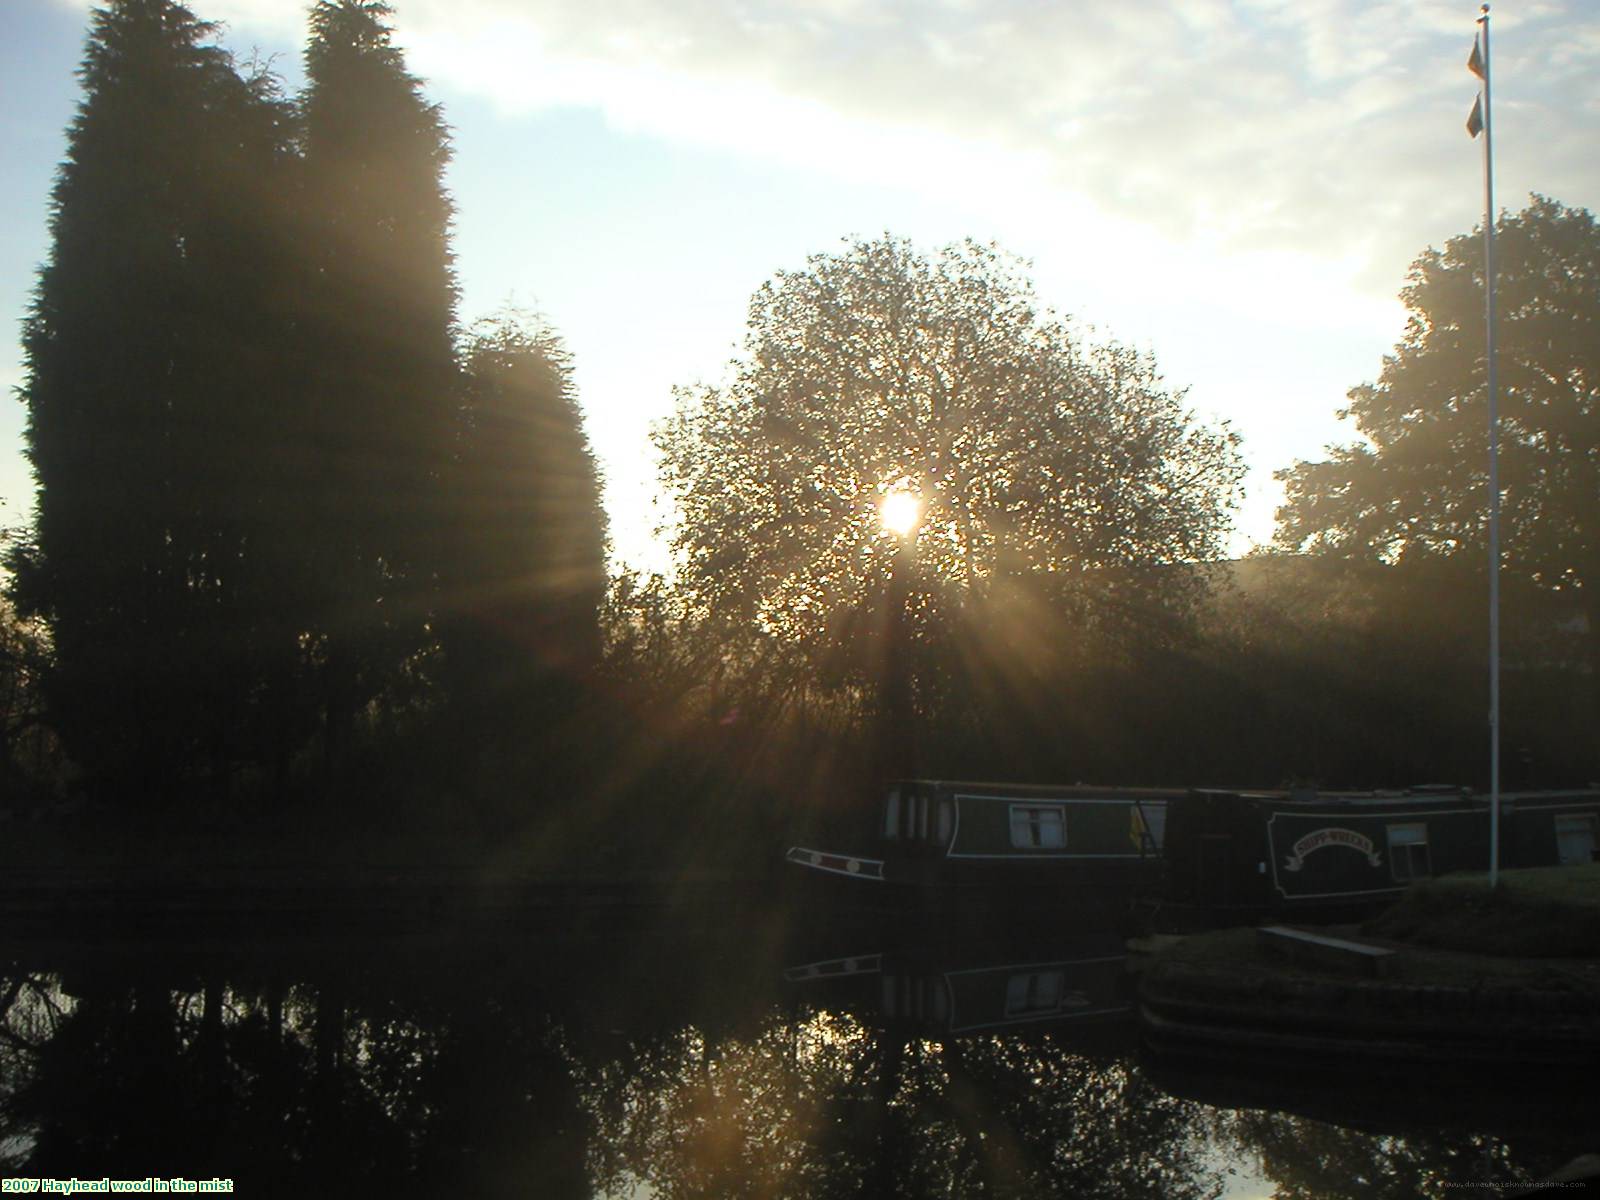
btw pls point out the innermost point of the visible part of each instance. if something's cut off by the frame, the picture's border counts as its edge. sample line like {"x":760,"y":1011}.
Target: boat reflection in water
{"x":969,"y":995}
{"x":674,"y":1054}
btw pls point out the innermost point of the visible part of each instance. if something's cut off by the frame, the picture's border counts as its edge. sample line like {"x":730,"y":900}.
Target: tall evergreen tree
{"x":525,"y":573}
{"x":142,"y":399}
{"x":379,"y":363}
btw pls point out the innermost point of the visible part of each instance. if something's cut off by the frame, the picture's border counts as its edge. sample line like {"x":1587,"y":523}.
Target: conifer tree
{"x":522,"y":580}
{"x":525,"y":573}
{"x":379,"y":367}
{"x":141,"y":345}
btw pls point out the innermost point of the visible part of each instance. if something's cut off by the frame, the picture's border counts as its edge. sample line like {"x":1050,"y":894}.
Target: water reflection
{"x":1310,"y":1160}
{"x":653,"y":1061}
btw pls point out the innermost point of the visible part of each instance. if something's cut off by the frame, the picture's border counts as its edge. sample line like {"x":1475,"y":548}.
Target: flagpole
{"x":1494,"y":464}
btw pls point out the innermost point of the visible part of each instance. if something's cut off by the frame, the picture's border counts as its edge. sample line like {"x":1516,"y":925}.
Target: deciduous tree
{"x":1028,"y":450}
{"x":1416,"y":486}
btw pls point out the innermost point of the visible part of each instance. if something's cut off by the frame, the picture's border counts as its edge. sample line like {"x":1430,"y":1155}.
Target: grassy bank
{"x":1539,"y":930}
{"x":1239,"y":953}
{"x":1546,"y":912}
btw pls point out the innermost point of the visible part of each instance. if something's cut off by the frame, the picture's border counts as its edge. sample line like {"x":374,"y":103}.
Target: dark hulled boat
{"x":1214,"y":849}
{"x":1303,"y":851}
{"x":934,"y":836}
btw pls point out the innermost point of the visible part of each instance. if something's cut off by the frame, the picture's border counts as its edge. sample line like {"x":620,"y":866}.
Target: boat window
{"x":891,"y":817}
{"x":1035,"y":992}
{"x":1408,"y":852}
{"x":1038,"y":993}
{"x":1037,"y":828}
{"x":1574,"y":838}
{"x":1153,"y":820}
{"x":946,"y":819}
{"x":908,"y":817}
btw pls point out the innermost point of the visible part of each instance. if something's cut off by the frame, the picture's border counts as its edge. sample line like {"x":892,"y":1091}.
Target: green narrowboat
{"x":1284,"y":851}
{"x":936,"y":835}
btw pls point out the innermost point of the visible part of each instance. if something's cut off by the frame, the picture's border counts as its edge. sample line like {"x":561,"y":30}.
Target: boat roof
{"x":1040,"y":790}
{"x":1425,"y":796}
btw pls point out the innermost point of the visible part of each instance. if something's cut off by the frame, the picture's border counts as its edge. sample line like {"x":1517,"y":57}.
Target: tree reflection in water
{"x":627,"y":1075}
{"x":1313,"y":1160}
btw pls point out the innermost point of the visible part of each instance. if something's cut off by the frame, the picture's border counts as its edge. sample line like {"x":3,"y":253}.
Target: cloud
{"x":1266,"y":125}
{"x":1263,"y":125}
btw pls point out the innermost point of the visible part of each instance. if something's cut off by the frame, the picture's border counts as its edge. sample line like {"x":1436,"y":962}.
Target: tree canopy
{"x":879,"y":370}
{"x":1418,"y":483}
{"x":1417,"y":486}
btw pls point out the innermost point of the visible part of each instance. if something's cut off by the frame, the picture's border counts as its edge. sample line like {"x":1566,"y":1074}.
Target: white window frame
{"x":1039,"y":820}
{"x":1035,"y":993}
{"x":1412,"y":834}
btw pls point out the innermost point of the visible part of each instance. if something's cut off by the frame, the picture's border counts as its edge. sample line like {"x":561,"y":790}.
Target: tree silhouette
{"x":526,"y":555}
{"x":22,"y":657}
{"x":523,"y":559}
{"x":148,"y":319}
{"x":379,"y":368}
{"x":879,"y":370}
{"x":1417,"y":487}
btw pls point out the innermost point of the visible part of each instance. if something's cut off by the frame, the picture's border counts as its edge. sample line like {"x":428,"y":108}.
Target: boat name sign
{"x":1320,"y":838}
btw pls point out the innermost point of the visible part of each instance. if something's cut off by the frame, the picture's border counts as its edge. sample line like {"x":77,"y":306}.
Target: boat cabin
{"x":1286,"y":850}
{"x":935,"y":831}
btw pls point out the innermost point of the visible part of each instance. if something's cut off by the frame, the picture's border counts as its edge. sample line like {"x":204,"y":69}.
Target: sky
{"x":1237,"y":187}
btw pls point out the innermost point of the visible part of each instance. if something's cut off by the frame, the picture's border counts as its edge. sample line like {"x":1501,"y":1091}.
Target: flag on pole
{"x":1478,"y":123}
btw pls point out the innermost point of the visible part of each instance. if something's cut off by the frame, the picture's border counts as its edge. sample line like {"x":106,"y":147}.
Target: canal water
{"x":694,"y":1052}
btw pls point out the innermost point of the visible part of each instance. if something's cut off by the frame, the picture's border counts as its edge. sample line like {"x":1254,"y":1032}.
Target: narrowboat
{"x":1289,"y":851}
{"x":935,"y":835}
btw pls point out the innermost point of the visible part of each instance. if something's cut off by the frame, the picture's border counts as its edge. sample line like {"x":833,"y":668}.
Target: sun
{"x":900,"y":511}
